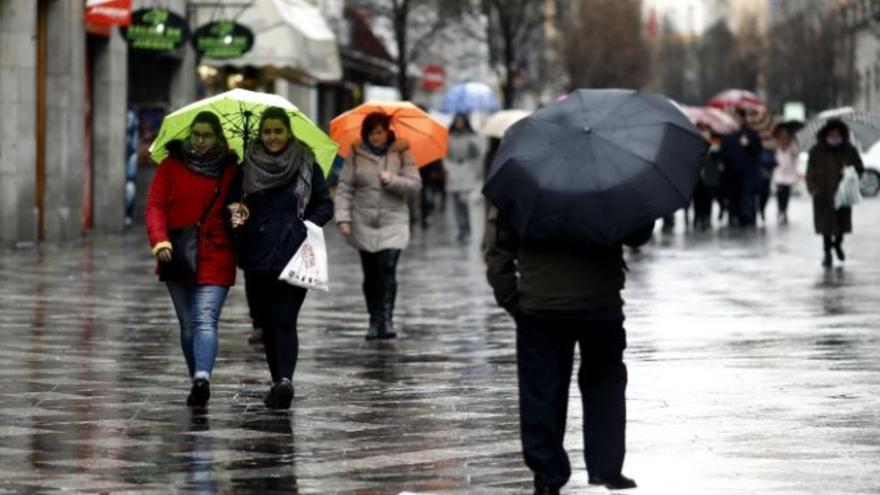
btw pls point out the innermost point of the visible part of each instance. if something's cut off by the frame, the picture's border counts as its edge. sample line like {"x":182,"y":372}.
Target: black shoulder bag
{"x":185,"y":246}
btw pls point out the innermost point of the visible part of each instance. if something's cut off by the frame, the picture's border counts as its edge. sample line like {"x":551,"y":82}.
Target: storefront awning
{"x":288,"y":35}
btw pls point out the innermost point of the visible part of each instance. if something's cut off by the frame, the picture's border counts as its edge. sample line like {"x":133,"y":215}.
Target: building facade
{"x":63,"y":91}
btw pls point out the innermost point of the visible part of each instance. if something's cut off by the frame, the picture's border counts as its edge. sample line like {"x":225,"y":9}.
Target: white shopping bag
{"x":308,"y":267}
{"x":848,"y":191}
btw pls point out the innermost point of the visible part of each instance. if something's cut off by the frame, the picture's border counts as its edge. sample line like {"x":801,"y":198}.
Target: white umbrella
{"x":497,"y":123}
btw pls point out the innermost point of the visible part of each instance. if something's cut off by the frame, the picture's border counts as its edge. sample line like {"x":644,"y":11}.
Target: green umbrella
{"x":239,"y":111}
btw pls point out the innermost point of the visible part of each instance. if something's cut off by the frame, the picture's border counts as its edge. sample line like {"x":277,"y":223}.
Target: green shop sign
{"x":156,"y":30}
{"x":222,"y":39}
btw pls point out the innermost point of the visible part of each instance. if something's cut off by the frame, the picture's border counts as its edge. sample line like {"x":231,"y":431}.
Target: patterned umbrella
{"x":736,"y":98}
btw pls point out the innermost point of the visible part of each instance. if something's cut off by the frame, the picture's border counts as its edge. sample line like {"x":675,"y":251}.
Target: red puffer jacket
{"x":177,"y":198}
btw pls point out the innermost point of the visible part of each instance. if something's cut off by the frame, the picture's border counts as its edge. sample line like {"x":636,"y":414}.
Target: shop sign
{"x":156,"y":30}
{"x":108,"y":12}
{"x":222,"y":39}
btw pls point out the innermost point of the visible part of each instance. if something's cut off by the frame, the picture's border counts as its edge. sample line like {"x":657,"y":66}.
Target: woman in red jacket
{"x":194,"y":181}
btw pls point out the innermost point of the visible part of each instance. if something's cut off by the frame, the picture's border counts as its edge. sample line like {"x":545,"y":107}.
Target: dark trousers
{"x":783,"y":192}
{"x":380,"y":280}
{"x":762,"y":195}
{"x":830,"y":241}
{"x":275,"y":307}
{"x":545,"y":354}
{"x":462,"y":213}
{"x":702,"y":206}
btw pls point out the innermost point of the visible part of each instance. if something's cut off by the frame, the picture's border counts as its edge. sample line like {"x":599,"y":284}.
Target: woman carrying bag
{"x":188,"y":235}
{"x":828,"y":160}
{"x":280,"y":188}
{"x":378,"y":178}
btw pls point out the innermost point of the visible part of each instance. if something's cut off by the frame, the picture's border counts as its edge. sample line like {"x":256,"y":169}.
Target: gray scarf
{"x":210,"y":164}
{"x":264,"y":170}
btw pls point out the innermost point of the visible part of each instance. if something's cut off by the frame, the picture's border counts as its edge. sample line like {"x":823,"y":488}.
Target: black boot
{"x":199,"y":393}
{"x":279,"y":395}
{"x":386,"y":327}
{"x":838,"y":249}
{"x":373,"y":307}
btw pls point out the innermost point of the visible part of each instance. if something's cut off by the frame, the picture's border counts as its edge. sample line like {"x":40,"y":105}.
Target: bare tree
{"x":512,"y":29}
{"x":604,"y":45}
{"x":731,"y":60}
{"x":415,"y":24}
{"x":808,"y":60}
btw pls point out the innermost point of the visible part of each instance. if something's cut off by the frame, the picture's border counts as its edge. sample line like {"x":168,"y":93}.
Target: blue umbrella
{"x":469,"y":97}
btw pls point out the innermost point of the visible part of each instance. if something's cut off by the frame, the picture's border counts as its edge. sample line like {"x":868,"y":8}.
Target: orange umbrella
{"x":427,"y":136}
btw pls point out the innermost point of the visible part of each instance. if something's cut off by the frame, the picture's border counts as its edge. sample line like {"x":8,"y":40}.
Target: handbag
{"x":185,"y":246}
{"x":848,"y":192}
{"x":308,"y":266}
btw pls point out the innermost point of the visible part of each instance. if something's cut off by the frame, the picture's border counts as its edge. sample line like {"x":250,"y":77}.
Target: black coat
{"x":273,"y":233}
{"x":564,"y":280}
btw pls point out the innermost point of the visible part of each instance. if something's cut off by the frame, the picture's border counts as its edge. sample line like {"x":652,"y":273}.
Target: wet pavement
{"x":752,"y":370}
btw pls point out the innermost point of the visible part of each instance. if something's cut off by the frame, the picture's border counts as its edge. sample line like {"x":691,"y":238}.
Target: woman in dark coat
{"x":828,"y":158}
{"x":279,"y":189}
{"x":195,"y":179}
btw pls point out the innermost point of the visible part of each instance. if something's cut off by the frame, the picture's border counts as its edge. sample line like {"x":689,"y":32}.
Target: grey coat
{"x":462,"y":162}
{"x":379,"y":214}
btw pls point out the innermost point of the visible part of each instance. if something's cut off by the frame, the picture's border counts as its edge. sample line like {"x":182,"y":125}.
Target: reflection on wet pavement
{"x":752,"y":370}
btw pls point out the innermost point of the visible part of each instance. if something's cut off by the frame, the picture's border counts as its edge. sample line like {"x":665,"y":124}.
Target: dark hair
{"x":833,"y":125}
{"x":276,"y":113}
{"x":210,"y":118}
{"x":373,"y":120}
{"x":467,"y":123}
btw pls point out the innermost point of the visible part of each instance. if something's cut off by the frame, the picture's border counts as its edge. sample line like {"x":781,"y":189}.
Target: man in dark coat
{"x":561,"y":298}
{"x":828,"y":158}
{"x":741,"y":156}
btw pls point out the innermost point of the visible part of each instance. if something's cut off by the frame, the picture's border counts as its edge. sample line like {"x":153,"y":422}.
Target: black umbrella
{"x":595,"y":167}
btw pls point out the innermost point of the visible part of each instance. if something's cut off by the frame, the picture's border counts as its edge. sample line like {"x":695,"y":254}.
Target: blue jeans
{"x":198,"y":310}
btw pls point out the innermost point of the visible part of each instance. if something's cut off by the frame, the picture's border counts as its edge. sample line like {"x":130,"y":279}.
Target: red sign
{"x":108,"y":12}
{"x":433,"y":77}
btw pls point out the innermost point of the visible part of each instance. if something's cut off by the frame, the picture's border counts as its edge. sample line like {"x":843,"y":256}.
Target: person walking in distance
{"x":828,"y":158}
{"x":462,"y":166}
{"x":786,"y":175}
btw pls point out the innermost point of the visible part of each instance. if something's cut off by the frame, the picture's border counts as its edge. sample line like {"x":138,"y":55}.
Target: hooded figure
{"x":828,"y":158}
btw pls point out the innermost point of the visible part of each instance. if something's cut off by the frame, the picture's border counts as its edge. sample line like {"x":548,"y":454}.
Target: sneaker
{"x":199,"y":393}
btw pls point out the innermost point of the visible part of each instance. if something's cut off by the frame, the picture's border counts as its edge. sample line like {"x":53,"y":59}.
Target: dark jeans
{"x":462,"y":212}
{"x":783,"y":192}
{"x":545,"y":353}
{"x":275,"y":307}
